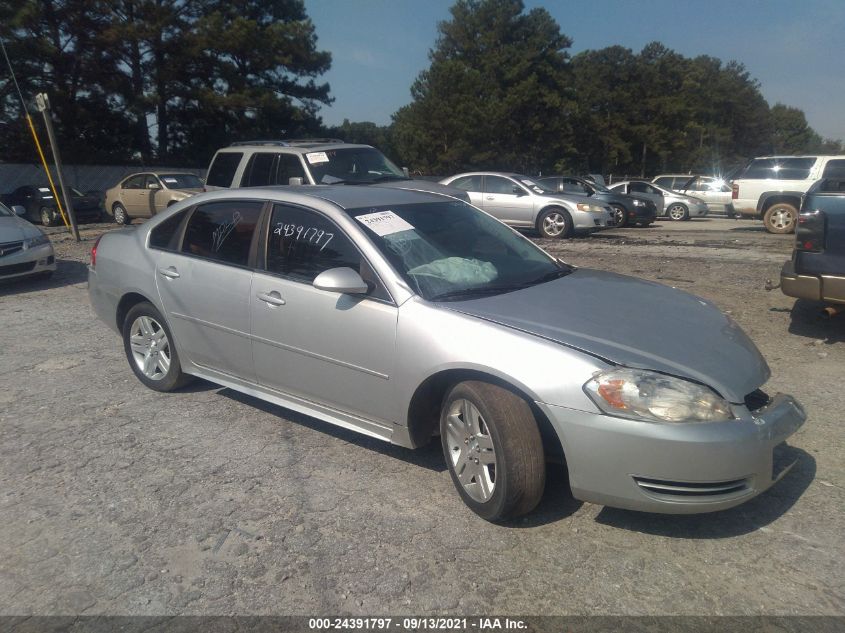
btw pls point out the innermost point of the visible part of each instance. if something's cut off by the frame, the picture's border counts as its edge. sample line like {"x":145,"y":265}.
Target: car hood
{"x":635,"y":323}
{"x":427,"y":185}
{"x":14,"y":229}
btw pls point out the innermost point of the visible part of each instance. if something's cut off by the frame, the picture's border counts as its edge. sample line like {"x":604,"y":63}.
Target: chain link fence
{"x":83,"y":177}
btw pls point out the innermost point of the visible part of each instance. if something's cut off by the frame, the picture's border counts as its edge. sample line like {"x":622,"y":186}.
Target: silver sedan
{"x":523,"y":202}
{"x":24,"y":248}
{"x":406,"y":315}
{"x":670,"y":204}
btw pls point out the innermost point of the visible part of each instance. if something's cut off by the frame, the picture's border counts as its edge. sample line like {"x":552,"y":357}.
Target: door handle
{"x":170,"y":272}
{"x":273,"y":298}
{"x":490,"y":198}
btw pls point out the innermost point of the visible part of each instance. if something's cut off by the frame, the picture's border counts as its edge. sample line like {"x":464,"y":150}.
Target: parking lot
{"x":116,"y":499}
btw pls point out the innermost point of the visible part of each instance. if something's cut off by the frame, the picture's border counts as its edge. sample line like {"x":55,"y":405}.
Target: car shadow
{"x":744,"y":519}
{"x":429,"y":456}
{"x":557,"y":502}
{"x":68,"y":272}
{"x":809,"y":321}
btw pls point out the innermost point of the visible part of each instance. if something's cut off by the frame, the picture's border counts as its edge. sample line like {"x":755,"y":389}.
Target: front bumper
{"x":587,"y":222}
{"x":675,"y":468}
{"x":830,"y":288}
{"x":30,"y":261}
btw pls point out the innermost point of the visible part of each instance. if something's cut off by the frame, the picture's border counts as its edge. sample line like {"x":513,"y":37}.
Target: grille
{"x":757,"y":399}
{"x":15,"y":269}
{"x":9,"y":248}
{"x":691,"y":489}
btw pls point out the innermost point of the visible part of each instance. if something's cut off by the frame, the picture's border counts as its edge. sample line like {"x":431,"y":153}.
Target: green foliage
{"x":497,"y":93}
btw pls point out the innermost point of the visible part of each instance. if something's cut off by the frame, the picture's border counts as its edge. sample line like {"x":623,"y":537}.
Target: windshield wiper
{"x":476,"y":291}
{"x":554,"y":274}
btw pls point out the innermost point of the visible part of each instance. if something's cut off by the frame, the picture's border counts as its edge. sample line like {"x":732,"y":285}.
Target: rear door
{"x":204,"y":285}
{"x":132,"y":195}
{"x":324,"y":347}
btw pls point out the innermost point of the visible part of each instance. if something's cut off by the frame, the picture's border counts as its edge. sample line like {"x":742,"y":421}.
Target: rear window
{"x":778,"y":169}
{"x":223,"y":167}
{"x":835,"y":169}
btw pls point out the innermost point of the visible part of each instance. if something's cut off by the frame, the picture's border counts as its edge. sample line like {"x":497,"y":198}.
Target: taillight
{"x":94,"y":252}
{"x":734,"y":191}
{"x":810,"y":233}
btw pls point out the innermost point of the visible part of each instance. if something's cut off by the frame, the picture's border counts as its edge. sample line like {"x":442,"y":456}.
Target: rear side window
{"x":467,"y":183}
{"x":259,"y":171}
{"x":223,"y":167}
{"x":778,"y":169}
{"x":166,"y":234}
{"x":222,"y":231}
{"x":665,"y":181}
{"x":835,"y":169}
{"x":290,"y":167}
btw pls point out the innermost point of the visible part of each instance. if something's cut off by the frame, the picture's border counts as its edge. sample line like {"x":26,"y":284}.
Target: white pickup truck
{"x":771,"y":187}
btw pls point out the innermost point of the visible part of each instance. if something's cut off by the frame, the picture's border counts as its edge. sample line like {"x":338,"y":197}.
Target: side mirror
{"x":518,"y":190}
{"x":19,"y":210}
{"x":153,"y":185}
{"x":295,"y":181}
{"x":343,"y":280}
{"x":406,"y":172}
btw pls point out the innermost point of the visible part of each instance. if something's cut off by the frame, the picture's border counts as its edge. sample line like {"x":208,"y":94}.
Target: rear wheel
{"x":149,"y":348}
{"x":493,"y":450}
{"x":120,"y":215}
{"x":780,"y":218}
{"x":554,"y":222}
{"x":48,"y":216}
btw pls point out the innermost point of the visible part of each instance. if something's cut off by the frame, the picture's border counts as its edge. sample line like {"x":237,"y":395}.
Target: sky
{"x":794,"y":48}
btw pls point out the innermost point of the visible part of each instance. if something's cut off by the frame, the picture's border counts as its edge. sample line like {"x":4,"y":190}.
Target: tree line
{"x":170,"y":81}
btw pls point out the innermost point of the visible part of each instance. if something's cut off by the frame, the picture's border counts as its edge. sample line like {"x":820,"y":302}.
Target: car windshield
{"x":533,"y":185}
{"x":5,"y":211}
{"x":451,"y":250}
{"x":181,"y":181}
{"x":351,"y":165}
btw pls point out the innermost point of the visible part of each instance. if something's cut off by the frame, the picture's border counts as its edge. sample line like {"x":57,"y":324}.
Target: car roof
{"x":344,"y":196}
{"x":301,"y":147}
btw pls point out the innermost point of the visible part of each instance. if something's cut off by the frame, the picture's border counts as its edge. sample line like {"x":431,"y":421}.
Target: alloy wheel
{"x":471,"y":450}
{"x":554,"y":224}
{"x":150,"y":347}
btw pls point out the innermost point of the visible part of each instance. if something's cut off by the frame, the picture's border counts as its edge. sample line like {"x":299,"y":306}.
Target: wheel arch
{"x":424,"y":407}
{"x":126,"y":303}
{"x":770,"y":198}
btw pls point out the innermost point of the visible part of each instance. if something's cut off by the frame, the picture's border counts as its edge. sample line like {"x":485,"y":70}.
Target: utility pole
{"x":43,"y":105}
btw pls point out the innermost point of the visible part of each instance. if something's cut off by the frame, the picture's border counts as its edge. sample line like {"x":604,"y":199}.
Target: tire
{"x":151,"y":354}
{"x":677,"y":211}
{"x":620,"y":215}
{"x":47,"y":216}
{"x":506,"y":480}
{"x":120,"y":215}
{"x":554,"y":223}
{"x":781,"y":217}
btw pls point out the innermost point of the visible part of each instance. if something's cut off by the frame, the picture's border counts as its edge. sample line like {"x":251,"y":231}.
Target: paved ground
{"x":115,"y":499}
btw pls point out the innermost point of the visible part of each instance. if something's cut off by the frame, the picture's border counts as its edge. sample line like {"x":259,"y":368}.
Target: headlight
{"x":638,"y":203}
{"x":32,"y":242}
{"x":647,"y":395}
{"x":591,"y":208}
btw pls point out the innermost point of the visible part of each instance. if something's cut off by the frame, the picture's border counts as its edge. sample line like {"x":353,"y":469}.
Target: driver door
{"x":507,"y":201}
{"x":324,"y":347}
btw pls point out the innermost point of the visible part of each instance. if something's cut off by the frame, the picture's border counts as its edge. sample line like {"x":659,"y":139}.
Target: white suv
{"x":321,"y":161}
{"x":771,"y":187}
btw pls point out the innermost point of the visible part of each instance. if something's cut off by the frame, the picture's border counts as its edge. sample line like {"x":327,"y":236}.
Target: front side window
{"x":664,"y":181}
{"x":498,"y":185}
{"x":574,"y":186}
{"x":136,"y":182}
{"x":451,"y":250}
{"x":289,"y":167}
{"x":302,"y":244}
{"x":642,"y":187}
{"x":222,"y":231}
{"x":223,"y":167}
{"x":151,"y":182}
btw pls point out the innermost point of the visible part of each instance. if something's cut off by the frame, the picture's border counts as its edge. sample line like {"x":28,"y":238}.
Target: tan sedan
{"x":145,"y":194}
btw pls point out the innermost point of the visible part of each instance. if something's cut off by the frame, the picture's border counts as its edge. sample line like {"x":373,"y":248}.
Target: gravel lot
{"x":115,"y":499}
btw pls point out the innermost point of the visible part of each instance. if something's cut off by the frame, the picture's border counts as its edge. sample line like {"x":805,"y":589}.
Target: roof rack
{"x":287,"y":142}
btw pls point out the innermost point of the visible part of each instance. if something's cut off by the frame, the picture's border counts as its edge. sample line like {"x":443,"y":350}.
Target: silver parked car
{"x":24,"y":248}
{"x":715,"y":192}
{"x":404,"y":315}
{"x":522,"y":202}
{"x":671,"y":204}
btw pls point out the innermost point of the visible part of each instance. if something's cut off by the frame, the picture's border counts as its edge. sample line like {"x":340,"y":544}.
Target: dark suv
{"x":817,"y":268}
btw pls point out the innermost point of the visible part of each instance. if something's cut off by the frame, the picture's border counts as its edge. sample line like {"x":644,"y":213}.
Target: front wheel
{"x":780,"y":218}
{"x":619,"y":215}
{"x":493,"y":450}
{"x":48,"y":216}
{"x":149,"y":348}
{"x":678,"y":211}
{"x":554,"y":223}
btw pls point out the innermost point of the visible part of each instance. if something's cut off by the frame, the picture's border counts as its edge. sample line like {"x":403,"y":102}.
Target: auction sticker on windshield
{"x":384,"y":223}
{"x":317,"y":157}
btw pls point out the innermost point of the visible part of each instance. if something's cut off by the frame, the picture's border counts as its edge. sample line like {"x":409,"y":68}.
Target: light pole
{"x":43,"y":105}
